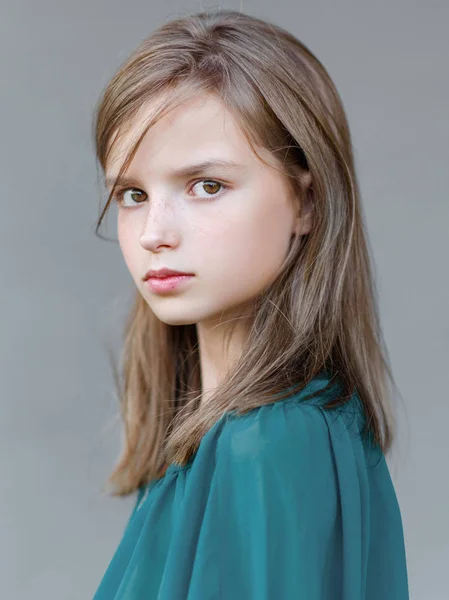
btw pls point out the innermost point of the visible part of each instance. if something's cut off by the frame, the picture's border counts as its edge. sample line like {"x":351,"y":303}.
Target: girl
{"x":255,"y":393}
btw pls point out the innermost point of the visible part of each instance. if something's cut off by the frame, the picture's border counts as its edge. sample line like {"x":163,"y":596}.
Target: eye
{"x":210,"y":187}
{"x":119,"y":195}
{"x":128,"y":197}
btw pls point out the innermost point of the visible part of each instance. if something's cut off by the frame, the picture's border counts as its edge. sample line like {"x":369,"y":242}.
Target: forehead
{"x":196,"y":130}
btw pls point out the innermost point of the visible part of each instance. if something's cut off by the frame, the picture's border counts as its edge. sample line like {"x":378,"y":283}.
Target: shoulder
{"x":292,"y":431}
{"x":272,"y":428}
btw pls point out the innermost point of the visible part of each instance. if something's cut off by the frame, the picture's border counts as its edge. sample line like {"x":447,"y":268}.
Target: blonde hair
{"x":321,"y":311}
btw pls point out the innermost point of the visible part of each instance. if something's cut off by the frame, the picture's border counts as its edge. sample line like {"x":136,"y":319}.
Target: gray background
{"x":64,"y":292}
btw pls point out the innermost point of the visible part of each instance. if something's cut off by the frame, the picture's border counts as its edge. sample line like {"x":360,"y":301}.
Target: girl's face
{"x":228,"y":225}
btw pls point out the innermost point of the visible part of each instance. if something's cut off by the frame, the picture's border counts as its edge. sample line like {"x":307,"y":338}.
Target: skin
{"x":230,"y":227}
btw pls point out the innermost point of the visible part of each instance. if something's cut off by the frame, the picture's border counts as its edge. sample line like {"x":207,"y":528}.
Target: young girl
{"x":256,"y":386}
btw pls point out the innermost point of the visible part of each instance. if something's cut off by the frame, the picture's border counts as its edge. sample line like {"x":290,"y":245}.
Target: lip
{"x":167,"y":284}
{"x":162,"y":273}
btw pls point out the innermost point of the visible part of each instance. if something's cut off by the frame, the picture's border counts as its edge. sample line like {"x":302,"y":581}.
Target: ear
{"x":304,"y":223}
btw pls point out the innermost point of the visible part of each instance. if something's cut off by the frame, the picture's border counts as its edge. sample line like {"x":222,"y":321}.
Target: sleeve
{"x":292,"y":497}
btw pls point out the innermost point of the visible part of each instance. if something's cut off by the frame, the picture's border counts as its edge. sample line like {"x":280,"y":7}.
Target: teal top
{"x":286,"y":502}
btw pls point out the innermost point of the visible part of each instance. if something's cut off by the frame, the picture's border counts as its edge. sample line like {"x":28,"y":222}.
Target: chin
{"x":178,"y":317}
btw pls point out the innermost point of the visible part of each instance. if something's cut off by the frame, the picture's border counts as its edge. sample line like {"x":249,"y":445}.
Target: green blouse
{"x":286,"y":502}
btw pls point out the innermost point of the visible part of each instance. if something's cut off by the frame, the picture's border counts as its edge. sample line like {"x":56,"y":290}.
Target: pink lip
{"x":167,"y":284}
{"x":164,"y":272}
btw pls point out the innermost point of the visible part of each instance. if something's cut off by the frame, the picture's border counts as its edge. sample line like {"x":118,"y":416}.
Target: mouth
{"x":164,"y":273}
{"x":168,"y":283}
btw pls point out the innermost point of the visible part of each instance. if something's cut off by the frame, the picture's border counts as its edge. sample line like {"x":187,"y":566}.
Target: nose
{"x":159,"y":225}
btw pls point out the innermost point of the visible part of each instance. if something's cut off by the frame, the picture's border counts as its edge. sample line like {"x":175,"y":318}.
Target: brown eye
{"x":134,"y":196}
{"x":209,"y":186}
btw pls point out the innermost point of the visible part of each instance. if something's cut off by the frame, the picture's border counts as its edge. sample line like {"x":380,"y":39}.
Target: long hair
{"x":321,"y":312}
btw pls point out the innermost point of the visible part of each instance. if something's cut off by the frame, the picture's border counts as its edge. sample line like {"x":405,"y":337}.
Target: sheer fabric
{"x":286,"y":502}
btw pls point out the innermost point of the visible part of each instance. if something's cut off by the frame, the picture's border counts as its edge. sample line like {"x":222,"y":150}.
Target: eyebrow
{"x":188,"y":171}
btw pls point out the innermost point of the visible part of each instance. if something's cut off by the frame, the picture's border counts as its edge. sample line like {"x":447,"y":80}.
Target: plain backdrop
{"x":65,"y":293}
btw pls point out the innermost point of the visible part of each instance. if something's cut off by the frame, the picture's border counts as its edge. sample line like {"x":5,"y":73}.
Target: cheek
{"x":246,"y":252}
{"x":129,"y":249}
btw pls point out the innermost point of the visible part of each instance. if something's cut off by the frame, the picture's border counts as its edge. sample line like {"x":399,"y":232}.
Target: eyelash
{"x":120,"y":191}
